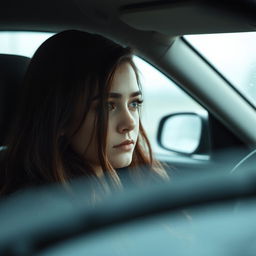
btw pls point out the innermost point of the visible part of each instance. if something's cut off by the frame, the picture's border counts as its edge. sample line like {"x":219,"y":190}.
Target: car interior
{"x":226,"y":144}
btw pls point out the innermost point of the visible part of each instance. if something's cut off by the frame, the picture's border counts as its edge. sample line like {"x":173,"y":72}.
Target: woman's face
{"x":123,"y":124}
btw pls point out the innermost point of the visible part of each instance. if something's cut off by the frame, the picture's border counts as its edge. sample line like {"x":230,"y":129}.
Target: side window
{"x":162,"y":97}
{"x":21,"y":43}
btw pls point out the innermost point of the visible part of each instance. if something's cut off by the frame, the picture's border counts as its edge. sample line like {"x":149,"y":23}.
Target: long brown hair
{"x":64,"y":74}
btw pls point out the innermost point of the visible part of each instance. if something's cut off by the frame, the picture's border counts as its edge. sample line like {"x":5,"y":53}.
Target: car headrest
{"x":12,"y":71}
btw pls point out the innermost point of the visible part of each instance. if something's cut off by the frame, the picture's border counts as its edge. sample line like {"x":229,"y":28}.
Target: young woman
{"x":79,"y":115}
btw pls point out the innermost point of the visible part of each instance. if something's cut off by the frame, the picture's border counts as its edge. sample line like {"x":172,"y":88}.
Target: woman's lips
{"x":126,"y":145}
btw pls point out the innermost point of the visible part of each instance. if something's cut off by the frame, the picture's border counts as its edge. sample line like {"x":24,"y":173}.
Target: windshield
{"x":233,"y":55}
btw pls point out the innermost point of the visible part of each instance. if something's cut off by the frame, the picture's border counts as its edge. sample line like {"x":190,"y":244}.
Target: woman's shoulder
{"x":11,"y":182}
{"x":143,"y":176}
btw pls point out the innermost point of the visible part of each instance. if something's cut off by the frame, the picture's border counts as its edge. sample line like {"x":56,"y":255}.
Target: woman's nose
{"x":126,"y":123}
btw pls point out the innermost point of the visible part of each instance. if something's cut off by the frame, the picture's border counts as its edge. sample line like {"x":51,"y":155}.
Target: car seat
{"x":12,"y":71}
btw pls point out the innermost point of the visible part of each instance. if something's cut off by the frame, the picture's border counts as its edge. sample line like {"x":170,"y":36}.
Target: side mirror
{"x":183,"y":133}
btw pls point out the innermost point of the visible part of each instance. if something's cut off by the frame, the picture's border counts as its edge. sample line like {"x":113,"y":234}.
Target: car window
{"x":162,"y":97}
{"x":21,"y":43}
{"x":233,"y":55}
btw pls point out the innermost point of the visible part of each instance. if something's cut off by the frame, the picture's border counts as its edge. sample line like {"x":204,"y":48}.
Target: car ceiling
{"x":112,"y":16}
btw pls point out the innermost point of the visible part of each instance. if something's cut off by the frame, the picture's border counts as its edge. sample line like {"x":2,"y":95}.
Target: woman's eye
{"x":135,"y":104}
{"x":111,"y":106}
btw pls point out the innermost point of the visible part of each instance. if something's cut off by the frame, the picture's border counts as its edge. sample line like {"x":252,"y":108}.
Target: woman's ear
{"x":62,"y":133}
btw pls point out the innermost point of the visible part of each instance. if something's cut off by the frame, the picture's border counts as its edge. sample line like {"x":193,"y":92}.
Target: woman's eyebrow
{"x":134,"y":94}
{"x":118,"y":95}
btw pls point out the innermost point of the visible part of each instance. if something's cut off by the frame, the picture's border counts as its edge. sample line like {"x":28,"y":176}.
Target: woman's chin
{"x":121,"y":162}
